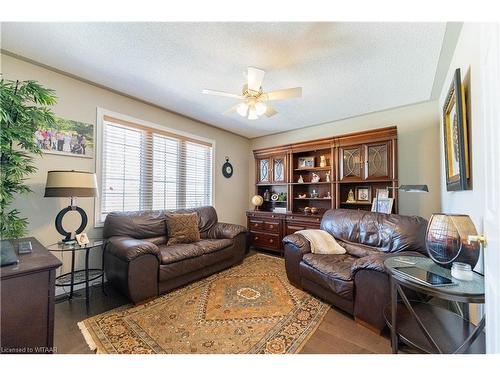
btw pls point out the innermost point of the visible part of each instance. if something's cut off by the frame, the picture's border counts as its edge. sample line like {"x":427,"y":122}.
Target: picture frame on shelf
{"x":382,"y":205}
{"x":363,"y":194}
{"x":456,"y":140}
{"x":382,"y":193}
{"x":306,"y":162}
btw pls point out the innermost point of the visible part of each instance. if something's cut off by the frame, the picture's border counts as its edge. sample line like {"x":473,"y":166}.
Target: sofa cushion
{"x":182,"y":228}
{"x":178,"y":252}
{"x":383,"y":232}
{"x":334,"y":266}
{"x":211,"y":245}
{"x":311,"y":276}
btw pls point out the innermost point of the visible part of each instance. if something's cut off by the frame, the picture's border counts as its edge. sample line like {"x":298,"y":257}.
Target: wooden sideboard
{"x":27,"y":300}
{"x":358,"y":160}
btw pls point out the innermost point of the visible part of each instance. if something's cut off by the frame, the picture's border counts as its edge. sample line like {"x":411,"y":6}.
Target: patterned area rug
{"x":250,"y":308}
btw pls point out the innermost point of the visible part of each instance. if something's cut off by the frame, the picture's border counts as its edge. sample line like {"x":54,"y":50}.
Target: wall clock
{"x":227,"y":169}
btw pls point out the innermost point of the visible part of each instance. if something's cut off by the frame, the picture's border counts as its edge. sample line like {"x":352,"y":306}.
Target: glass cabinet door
{"x":378,"y":161}
{"x":279,"y":169}
{"x":351,"y":163}
{"x":264,"y":172}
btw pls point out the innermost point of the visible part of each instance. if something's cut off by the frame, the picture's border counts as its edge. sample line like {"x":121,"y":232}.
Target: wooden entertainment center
{"x":365,"y":160}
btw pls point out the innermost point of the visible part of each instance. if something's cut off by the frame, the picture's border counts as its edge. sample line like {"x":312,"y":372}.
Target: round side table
{"x":80,"y":276}
{"x":427,"y":327}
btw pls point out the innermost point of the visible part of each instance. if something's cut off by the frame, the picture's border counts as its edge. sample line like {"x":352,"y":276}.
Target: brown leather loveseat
{"x":138,"y":262}
{"x":356,"y":281}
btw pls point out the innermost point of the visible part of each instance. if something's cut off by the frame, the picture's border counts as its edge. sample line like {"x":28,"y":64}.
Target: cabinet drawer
{"x":265,"y":226}
{"x":292,"y":228}
{"x":265,"y":240}
{"x":303,"y":219}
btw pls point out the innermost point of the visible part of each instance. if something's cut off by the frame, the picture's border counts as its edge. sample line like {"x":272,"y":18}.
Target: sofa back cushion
{"x":382,"y":232}
{"x":151,"y":225}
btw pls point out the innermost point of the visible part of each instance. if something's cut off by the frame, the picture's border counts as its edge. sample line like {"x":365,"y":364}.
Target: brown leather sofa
{"x":356,"y":281}
{"x":138,"y":262}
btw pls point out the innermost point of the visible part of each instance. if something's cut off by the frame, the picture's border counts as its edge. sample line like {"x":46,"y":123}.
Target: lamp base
{"x":69,"y":236}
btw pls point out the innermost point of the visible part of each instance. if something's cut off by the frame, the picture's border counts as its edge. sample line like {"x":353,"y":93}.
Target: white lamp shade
{"x":71,"y":184}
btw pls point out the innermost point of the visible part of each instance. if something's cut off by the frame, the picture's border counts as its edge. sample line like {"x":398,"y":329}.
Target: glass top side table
{"x":427,"y":327}
{"x":80,"y":276}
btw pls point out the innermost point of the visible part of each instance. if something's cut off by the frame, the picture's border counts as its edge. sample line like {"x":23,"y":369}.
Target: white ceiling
{"x":345,"y":69}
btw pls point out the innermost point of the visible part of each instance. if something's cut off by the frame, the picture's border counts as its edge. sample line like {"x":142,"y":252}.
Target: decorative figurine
{"x":350,"y":197}
{"x":301,"y":180}
{"x":328,"y":176}
{"x":314,"y":210}
{"x":282,"y":197}
{"x":322,"y":161}
{"x":307,"y":210}
{"x":315,"y":178}
{"x":267,"y":195}
{"x":328,"y":196}
{"x":314,"y":194}
{"x":302,"y":196}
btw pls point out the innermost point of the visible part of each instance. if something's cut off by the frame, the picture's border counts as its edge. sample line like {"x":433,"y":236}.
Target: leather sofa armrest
{"x":128,"y":248}
{"x":295,"y":246}
{"x":375,"y":262}
{"x":299,"y":242}
{"x":226,"y":230}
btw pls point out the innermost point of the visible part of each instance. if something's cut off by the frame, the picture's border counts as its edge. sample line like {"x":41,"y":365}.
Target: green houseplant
{"x":24,"y":106}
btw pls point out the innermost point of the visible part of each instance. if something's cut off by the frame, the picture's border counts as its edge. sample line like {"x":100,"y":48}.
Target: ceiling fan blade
{"x":222,"y":93}
{"x":255,"y":77}
{"x":295,"y":92}
{"x":231,"y":110}
{"x":270,"y":111}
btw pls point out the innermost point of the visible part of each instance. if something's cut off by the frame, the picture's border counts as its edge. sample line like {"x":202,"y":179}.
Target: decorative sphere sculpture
{"x":447,"y":240}
{"x":257,"y":201}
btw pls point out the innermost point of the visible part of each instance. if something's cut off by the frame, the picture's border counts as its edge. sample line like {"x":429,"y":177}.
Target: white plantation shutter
{"x":144,"y":168}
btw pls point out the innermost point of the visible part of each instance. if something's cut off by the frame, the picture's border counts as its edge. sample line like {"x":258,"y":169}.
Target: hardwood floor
{"x":337,"y":334}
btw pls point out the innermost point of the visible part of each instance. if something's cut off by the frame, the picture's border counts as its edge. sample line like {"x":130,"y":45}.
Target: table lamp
{"x":71,"y":184}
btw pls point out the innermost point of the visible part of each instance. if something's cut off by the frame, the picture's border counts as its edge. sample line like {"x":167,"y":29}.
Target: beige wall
{"x":467,"y":58}
{"x":418,"y":149}
{"x":78,"y":101}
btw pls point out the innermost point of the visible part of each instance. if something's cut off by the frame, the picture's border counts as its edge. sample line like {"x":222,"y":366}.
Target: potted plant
{"x":24,"y":106}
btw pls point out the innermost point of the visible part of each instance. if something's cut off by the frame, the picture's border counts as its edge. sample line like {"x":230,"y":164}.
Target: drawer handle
{"x":273,"y":216}
{"x":256,"y":238}
{"x":256,"y":225}
{"x":271,"y":240}
{"x":271,"y":226}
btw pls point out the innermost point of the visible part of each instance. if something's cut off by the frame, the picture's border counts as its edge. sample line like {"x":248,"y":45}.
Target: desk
{"x":27,"y":300}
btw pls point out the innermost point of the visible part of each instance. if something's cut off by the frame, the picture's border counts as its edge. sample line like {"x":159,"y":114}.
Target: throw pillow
{"x":182,"y":228}
{"x":321,"y":242}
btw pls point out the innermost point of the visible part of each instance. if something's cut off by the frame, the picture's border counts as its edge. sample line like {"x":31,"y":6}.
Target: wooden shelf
{"x":358,"y":203}
{"x":313,"y":199}
{"x":313,"y":169}
{"x":272,"y":184}
{"x":366,"y":182}
{"x":310,"y":183}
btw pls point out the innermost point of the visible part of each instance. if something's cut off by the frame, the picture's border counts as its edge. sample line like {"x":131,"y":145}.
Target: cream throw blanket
{"x":321,"y":242}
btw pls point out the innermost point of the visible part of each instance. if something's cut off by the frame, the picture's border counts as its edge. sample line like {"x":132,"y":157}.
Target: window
{"x":144,"y":168}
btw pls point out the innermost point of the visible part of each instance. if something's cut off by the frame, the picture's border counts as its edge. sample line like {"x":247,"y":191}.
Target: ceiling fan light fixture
{"x":252,"y":113}
{"x":242,"y":109}
{"x":260,"y":108}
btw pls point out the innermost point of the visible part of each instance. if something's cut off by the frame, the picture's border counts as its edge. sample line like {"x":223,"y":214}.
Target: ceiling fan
{"x":253,"y":99}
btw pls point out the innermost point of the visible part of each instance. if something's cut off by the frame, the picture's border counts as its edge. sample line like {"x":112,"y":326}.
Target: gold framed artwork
{"x":456,"y":140}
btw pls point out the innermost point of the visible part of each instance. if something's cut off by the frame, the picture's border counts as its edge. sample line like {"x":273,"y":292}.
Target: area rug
{"x":250,"y":308}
